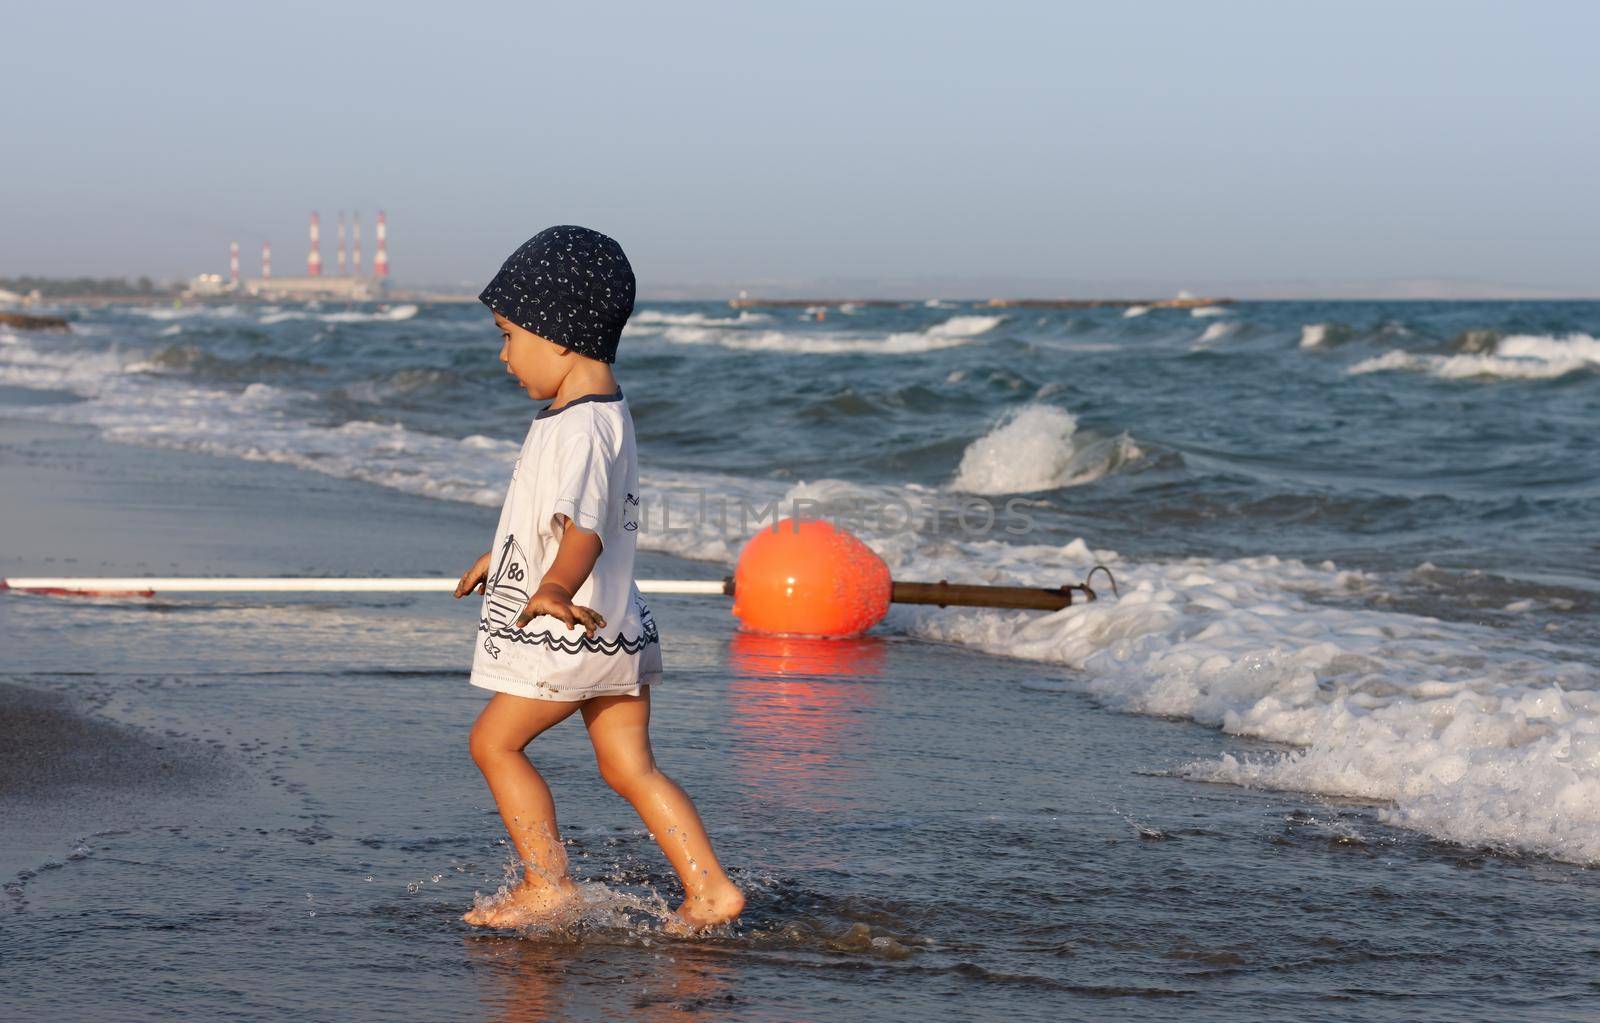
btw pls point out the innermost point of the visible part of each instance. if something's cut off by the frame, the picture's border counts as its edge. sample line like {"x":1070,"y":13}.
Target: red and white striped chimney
{"x":380,"y":262}
{"x":314,"y":259}
{"x":355,"y":248}
{"x":341,"y":243}
{"x":233,"y":264}
{"x":266,"y":261}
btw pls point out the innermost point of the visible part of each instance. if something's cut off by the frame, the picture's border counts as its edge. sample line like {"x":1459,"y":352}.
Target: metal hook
{"x":1109,"y":578}
{"x":1088,"y":591}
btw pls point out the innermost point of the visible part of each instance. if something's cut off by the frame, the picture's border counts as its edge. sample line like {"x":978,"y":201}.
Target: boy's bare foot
{"x":714,"y":906}
{"x":524,"y":904}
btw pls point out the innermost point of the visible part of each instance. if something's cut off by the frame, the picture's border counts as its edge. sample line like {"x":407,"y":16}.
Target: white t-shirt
{"x":578,"y":460}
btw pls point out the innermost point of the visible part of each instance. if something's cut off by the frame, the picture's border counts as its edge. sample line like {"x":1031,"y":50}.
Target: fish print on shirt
{"x":646,"y":620}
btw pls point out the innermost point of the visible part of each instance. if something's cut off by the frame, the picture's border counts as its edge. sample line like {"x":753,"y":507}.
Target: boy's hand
{"x":474,"y":577}
{"x":556,"y":601}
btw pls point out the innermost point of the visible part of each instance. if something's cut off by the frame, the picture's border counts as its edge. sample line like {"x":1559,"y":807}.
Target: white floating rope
{"x":148,"y":586}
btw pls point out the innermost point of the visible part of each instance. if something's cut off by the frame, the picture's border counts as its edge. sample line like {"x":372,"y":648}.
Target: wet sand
{"x":66,"y":772}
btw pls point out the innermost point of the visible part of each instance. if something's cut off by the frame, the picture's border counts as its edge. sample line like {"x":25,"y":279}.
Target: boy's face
{"x":535,"y":362}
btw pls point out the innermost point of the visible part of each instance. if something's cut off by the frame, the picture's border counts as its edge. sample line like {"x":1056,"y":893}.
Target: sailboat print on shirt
{"x":507,"y":592}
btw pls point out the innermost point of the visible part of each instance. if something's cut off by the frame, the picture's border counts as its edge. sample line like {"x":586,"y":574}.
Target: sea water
{"x":1354,"y":549}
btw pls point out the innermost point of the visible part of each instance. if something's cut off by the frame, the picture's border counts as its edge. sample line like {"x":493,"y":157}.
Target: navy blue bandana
{"x":569,"y":285}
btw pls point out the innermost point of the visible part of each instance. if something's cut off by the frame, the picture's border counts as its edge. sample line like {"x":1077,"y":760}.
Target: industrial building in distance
{"x":347,"y":284}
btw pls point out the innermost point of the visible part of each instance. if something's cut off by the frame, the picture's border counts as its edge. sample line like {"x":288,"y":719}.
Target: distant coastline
{"x":27,"y":291}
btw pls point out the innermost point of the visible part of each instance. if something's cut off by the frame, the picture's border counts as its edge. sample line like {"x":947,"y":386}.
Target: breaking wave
{"x":1467,"y":732}
{"x":658,"y":317}
{"x":1324,"y":335}
{"x":393,"y":314}
{"x":1039,"y":447}
{"x":1516,"y":357}
{"x":1216,"y":332}
{"x":958,"y":330}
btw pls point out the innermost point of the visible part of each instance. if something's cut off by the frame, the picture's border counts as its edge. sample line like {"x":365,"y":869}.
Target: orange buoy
{"x":801,"y":578}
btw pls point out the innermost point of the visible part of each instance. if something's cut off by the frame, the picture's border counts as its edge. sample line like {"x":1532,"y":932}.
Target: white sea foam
{"x":1468,"y":733}
{"x":1038,"y":447}
{"x":1549,"y":349}
{"x":958,"y":330}
{"x":393,"y":314}
{"x":660,"y":317}
{"x":131,"y":405}
{"x":155,"y":312}
{"x":1518,"y":357}
{"x":1395,"y":359}
{"x":1313,"y":335}
{"x":1216,"y":332}
{"x":964,"y":326}
{"x":1208,"y":310}
{"x":1135,"y":310}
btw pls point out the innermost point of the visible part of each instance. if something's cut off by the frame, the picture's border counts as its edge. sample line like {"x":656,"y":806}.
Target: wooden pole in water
{"x":946,"y":594}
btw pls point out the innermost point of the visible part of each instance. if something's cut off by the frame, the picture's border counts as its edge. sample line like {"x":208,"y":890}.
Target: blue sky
{"x":1256,"y":148}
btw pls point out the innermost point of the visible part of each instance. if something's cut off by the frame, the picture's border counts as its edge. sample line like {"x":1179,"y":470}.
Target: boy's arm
{"x":576,"y":554}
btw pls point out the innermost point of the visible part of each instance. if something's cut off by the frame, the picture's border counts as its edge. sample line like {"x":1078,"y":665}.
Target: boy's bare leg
{"x":619,"y":727}
{"x":504,"y":728}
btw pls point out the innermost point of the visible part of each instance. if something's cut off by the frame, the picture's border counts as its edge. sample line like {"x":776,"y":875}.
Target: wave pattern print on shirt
{"x":506,"y":596}
{"x":581,"y":642}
